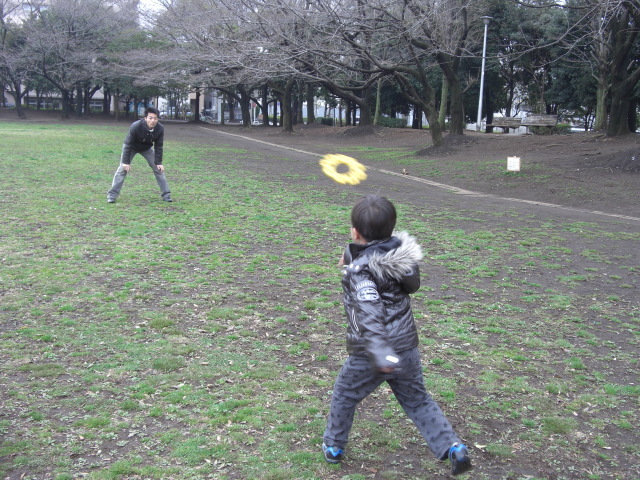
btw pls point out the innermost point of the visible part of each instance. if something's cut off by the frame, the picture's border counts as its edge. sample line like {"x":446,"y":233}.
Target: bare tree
{"x":349,"y":45}
{"x":443,"y":33}
{"x":600,"y":33}
{"x":346,"y":46}
{"x":65,"y":39}
{"x":14,"y":62}
{"x":207,"y":45}
{"x":625,"y":67}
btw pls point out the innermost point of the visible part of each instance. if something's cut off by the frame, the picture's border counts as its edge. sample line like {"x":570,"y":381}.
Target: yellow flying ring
{"x":353,"y":176}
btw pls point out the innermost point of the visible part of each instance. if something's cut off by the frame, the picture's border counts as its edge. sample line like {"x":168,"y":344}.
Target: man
{"x":145,"y":137}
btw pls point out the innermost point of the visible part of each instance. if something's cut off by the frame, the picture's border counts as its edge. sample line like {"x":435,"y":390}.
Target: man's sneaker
{"x":167,"y":199}
{"x":332,"y":454}
{"x":111,"y":200}
{"x":459,"y":458}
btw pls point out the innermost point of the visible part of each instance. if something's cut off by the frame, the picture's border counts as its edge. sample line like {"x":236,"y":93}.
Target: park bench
{"x":506,"y":122}
{"x":536,"y":120}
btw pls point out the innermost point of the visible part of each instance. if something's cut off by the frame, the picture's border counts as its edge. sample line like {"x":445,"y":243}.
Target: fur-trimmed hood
{"x":398,"y":262}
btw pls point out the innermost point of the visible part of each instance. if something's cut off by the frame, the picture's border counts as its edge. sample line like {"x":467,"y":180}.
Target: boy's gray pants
{"x":121,"y":174}
{"x":358,"y":378}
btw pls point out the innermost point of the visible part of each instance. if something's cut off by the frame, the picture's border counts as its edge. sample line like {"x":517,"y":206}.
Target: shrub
{"x":392,"y":122}
{"x":325,"y":121}
{"x":536,"y":130}
{"x":562,"y":129}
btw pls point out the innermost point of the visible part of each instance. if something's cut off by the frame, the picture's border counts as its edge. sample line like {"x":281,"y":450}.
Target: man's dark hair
{"x":149,"y":110}
{"x":374,"y":217}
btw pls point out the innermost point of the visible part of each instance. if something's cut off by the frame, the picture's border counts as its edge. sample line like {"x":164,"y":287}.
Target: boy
{"x":146,"y":137}
{"x":379,"y":273}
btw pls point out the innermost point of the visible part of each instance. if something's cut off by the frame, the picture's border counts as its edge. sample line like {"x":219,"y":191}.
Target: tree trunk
{"x":106,"y":102}
{"x":232,"y":111}
{"x":287,"y":111}
{"x":265,"y":105}
{"x":444,"y":97}
{"x":366,"y":116}
{"x":376,"y":116}
{"x":602,"y":92}
{"x":66,"y":104}
{"x":625,"y":73}
{"x":18,"y":94}
{"x":619,"y":118}
{"x":245,"y":105}
{"x":456,"y":121}
{"x":301,"y":94}
{"x":116,"y":104}
{"x":424,"y":99}
{"x":601,"y":58}
{"x":79,"y":102}
{"x":456,"y":105}
{"x":311,"y":111}
{"x":275,"y":110}
{"x":416,"y":122}
{"x":295,"y":106}
{"x":196,"y":107}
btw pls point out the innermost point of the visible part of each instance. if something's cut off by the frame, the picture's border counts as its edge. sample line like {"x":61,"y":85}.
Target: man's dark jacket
{"x":141,"y":139}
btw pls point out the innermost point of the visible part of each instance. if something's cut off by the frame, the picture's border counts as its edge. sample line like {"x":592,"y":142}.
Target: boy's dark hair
{"x":149,"y":110}
{"x":374,"y":217}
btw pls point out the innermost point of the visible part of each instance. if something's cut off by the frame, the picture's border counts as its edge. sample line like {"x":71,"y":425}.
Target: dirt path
{"x":600,"y":198}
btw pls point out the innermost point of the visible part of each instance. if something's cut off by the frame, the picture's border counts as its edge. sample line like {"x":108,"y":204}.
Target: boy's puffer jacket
{"x":377,"y":280}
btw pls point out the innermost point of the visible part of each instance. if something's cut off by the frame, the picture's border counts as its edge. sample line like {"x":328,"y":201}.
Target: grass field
{"x":200,"y":339}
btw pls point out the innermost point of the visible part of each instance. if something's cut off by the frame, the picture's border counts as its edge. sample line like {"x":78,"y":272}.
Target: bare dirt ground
{"x":582,"y":170}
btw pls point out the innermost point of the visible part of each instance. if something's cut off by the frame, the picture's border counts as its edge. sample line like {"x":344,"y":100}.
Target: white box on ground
{"x":513,"y":164}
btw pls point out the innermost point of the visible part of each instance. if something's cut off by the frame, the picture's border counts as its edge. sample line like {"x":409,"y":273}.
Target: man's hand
{"x":160,"y":168}
{"x":126,"y":168}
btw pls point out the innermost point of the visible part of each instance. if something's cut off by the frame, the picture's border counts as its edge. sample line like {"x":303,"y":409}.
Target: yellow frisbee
{"x":353,"y":176}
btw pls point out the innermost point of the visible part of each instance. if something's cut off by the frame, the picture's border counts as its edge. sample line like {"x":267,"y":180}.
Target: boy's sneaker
{"x":332,"y":454}
{"x":459,"y":458}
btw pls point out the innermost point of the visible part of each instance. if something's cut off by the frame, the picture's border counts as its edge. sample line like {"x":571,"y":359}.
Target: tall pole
{"x":486,"y":21}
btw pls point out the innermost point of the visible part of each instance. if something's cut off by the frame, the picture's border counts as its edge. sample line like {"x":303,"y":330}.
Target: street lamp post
{"x":486,"y":21}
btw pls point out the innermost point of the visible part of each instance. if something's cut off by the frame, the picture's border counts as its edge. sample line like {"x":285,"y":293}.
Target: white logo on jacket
{"x":367,"y":291}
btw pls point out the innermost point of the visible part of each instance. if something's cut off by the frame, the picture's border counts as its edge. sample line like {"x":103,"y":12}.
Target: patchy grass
{"x":200,"y":339}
